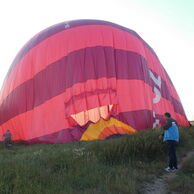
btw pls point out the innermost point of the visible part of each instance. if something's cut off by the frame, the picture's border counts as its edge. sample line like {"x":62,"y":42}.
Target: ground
{"x":161,"y":185}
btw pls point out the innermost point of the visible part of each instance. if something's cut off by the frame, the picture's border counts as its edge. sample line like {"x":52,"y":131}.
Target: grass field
{"x":183,"y":183}
{"x":115,"y":166}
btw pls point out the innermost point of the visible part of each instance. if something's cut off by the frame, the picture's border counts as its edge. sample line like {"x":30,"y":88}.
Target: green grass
{"x":115,"y":166}
{"x":184,"y":182}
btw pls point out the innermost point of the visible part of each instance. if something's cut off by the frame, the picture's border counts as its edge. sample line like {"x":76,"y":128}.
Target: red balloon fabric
{"x":85,"y":80}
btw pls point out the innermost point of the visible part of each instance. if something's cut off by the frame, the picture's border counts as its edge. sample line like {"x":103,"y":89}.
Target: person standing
{"x":171,"y":135}
{"x":7,"y":136}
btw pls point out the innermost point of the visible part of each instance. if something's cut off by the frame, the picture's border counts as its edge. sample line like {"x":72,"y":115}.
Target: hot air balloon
{"x":85,"y":80}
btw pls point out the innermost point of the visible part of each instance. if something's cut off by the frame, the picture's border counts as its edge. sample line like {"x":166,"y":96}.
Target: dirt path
{"x":160,"y":185}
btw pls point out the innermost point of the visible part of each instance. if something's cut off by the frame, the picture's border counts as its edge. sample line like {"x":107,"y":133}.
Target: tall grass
{"x":184,"y":182}
{"x":108,"y":166}
{"x":145,"y":145}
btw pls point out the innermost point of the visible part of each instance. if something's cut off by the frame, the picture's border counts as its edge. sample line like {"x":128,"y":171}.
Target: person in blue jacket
{"x":171,"y":135}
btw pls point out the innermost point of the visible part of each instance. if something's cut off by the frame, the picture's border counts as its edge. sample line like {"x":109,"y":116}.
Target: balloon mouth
{"x":104,"y":129}
{"x":93,"y":115}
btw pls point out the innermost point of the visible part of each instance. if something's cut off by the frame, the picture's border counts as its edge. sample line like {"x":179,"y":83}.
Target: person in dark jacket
{"x":7,"y":136}
{"x":171,"y":135}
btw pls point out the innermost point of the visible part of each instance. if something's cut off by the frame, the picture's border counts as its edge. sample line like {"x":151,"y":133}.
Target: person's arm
{"x":177,"y":124}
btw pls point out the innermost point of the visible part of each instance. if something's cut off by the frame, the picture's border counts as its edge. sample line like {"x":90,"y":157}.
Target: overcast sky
{"x":166,"y":25}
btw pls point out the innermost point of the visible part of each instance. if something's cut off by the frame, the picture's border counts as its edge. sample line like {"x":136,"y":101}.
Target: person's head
{"x":167,"y":115}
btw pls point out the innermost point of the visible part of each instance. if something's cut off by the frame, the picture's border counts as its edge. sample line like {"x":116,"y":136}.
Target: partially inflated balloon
{"x":85,"y":80}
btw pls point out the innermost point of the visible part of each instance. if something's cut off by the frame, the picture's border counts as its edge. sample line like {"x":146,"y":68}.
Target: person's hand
{"x":158,"y":126}
{"x":160,"y":137}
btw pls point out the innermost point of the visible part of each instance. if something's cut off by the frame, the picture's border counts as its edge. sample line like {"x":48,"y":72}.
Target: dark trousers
{"x":172,"y":153}
{"x":7,"y":142}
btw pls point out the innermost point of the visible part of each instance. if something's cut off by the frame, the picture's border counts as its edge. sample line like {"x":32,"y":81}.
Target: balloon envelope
{"x":85,"y":80}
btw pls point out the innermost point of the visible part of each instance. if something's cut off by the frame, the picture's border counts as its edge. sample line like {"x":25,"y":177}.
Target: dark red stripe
{"x":165,"y":94}
{"x":139,"y":120}
{"x":62,"y":136}
{"x":79,"y":66}
{"x":41,"y":36}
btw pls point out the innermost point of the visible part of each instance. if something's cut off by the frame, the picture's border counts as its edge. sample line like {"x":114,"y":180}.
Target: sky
{"x":166,"y":25}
